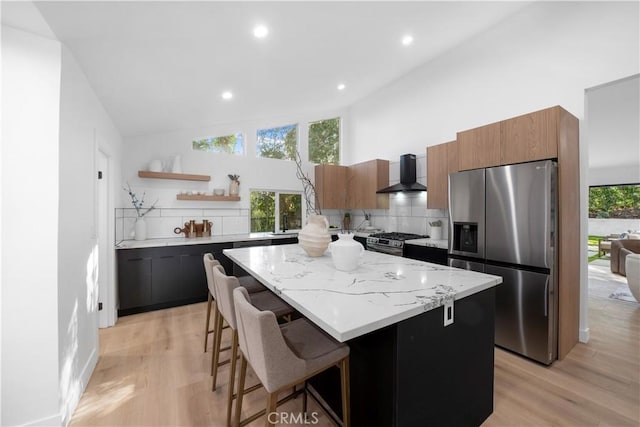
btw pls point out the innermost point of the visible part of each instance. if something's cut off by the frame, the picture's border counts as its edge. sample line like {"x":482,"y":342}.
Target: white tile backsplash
{"x":407,"y":213}
{"x":191,"y":213}
{"x":234,"y":225}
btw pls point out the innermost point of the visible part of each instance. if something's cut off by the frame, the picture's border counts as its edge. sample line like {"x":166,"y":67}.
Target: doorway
{"x":106,"y":294}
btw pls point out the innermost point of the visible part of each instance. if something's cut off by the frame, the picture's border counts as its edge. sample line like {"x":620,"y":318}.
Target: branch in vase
{"x":309,"y":190}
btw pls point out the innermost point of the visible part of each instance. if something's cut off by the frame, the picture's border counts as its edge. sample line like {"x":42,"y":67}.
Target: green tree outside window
{"x":230,"y":144}
{"x":324,"y":141}
{"x":277,"y":143}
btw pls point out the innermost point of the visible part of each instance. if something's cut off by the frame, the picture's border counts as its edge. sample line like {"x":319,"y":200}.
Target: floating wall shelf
{"x":168,"y":175}
{"x":208,"y":198}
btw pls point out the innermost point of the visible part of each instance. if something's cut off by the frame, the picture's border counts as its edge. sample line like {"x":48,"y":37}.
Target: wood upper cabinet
{"x":530,"y":137}
{"x":442,"y":160}
{"x":331,"y":186}
{"x":479,"y":147}
{"x":363,"y":180}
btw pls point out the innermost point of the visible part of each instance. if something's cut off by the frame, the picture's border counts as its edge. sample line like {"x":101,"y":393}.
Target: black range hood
{"x":407,"y":177}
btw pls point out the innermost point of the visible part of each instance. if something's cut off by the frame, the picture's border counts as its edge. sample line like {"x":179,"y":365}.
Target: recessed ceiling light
{"x":341,"y":86}
{"x":260,"y":31}
{"x":227,"y":95}
{"x":407,"y":40}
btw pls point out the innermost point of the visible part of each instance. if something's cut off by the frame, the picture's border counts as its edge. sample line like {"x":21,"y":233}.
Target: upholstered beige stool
{"x":248,"y":282}
{"x":284,"y":356}
{"x":224,"y":287}
{"x":632,"y":266}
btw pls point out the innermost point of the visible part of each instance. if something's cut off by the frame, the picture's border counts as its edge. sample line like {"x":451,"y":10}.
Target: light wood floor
{"x":152,"y":371}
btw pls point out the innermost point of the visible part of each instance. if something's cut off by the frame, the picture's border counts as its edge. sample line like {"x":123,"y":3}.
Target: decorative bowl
{"x":218,"y":191}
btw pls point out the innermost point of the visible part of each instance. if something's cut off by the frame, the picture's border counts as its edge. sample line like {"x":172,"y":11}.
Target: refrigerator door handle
{"x":546,"y":297}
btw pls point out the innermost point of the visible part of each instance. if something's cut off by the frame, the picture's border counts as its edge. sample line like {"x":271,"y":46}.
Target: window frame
{"x":303,"y":207}
{"x":262,"y":128}
{"x":242,"y":135}
{"x":340,"y":130}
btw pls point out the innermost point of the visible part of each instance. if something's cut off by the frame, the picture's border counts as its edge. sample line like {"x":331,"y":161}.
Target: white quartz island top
{"x":382,"y":291}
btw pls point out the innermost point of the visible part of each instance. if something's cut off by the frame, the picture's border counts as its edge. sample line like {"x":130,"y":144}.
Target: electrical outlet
{"x":448,"y":312}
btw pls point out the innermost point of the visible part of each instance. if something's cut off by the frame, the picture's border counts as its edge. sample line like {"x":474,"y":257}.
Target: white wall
{"x":84,"y":127}
{"x":605,"y":227}
{"x":612,"y":111}
{"x":544,"y":55}
{"x":228,"y":217}
{"x":30,"y":126}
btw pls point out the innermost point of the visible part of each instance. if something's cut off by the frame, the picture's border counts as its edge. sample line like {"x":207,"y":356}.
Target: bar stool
{"x":251,"y":284}
{"x":224,"y":286}
{"x":284,"y":356}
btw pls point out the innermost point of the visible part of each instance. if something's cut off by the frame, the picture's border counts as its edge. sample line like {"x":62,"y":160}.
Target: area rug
{"x":624,"y":294}
{"x":604,"y":284}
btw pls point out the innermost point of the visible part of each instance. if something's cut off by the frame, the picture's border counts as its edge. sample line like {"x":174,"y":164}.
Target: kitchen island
{"x":407,"y":367}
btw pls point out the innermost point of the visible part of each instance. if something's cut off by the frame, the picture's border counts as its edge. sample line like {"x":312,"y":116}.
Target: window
{"x":324,"y":141}
{"x":265,"y":204}
{"x":615,"y":201}
{"x":230,"y":144}
{"x":278,"y":143}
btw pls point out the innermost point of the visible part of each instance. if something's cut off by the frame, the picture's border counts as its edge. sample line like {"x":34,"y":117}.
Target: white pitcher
{"x":346,"y":252}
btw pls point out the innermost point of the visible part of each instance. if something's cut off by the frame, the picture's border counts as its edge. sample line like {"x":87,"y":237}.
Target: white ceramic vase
{"x":177,"y":165}
{"x":234,"y":188}
{"x":435,"y":233}
{"x":314,"y":237}
{"x":141,"y":229}
{"x":346,"y":252}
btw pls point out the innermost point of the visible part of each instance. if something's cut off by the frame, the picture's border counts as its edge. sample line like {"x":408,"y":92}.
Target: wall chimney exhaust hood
{"x":407,"y":176}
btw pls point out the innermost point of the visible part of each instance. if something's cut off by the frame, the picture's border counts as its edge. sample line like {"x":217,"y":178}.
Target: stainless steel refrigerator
{"x":502,"y":221}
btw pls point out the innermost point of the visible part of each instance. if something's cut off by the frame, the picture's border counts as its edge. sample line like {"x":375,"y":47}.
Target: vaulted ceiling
{"x":161,"y":66}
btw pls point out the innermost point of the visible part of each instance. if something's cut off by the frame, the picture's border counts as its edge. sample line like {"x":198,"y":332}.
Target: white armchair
{"x":632,"y":266}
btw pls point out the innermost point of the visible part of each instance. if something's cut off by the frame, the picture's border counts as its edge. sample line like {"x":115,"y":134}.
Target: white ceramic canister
{"x":346,"y":252}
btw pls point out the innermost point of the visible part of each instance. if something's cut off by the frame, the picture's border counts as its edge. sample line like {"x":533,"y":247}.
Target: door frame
{"x":105,"y":230}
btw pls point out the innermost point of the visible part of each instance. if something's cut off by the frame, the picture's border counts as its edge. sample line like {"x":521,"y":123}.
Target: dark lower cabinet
{"x":427,"y":254}
{"x":155,"y":278}
{"x":285,"y":241}
{"x":134,"y":278}
{"x":419,"y":372}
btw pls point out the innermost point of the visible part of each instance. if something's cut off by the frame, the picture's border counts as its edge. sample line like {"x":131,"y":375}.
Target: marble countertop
{"x":441,"y":244}
{"x":383,"y":290}
{"x":182,"y":241}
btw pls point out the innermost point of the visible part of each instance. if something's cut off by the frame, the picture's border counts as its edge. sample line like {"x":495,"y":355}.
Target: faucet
{"x":284,"y":223}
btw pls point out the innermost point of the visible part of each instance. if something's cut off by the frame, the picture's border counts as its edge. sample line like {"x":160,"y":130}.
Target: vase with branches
{"x":314,"y":237}
{"x":138,"y":204}
{"x":308,"y":189}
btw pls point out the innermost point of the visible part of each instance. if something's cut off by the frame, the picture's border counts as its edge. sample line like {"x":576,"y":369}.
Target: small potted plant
{"x":346,"y":222}
{"x":234,"y":185}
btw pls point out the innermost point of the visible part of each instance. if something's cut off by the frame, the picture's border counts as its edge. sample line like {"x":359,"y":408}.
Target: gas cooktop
{"x":398,"y":236}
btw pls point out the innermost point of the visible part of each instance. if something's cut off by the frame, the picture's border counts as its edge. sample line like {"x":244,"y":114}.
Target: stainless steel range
{"x":390,"y":243}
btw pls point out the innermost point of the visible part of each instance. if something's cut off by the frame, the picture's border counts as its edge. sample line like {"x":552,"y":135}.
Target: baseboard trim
{"x":83,"y":380}
{"x":584,"y":335}
{"x":54,"y":420}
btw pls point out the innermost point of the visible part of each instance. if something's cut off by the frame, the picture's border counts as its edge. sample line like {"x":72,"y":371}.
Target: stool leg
{"x":344,"y":379}
{"x":232,"y":375}
{"x":206,"y":327}
{"x":241,"y":379}
{"x":216,"y":351}
{"x":304,"y":398}
{"x":272,"y":403}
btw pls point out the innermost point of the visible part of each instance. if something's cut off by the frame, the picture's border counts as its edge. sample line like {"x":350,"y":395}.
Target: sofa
{"x":619,"y":251}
